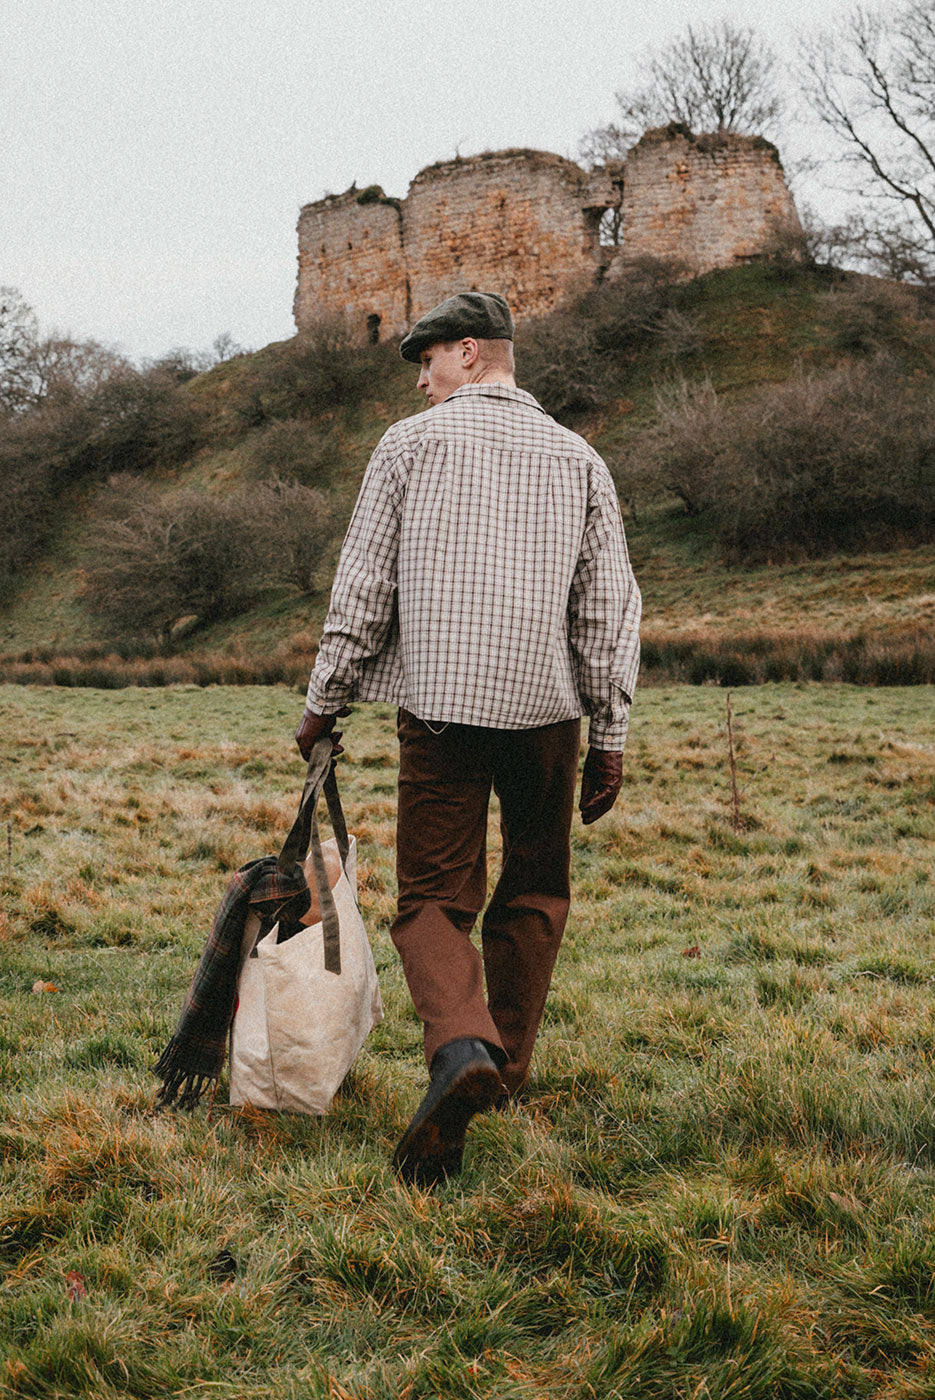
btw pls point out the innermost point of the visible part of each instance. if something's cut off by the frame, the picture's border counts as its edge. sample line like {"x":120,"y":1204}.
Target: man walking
{"x":484,"y":588}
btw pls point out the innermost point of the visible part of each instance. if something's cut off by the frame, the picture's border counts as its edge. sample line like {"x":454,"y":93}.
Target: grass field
{"x":720,"y":1187}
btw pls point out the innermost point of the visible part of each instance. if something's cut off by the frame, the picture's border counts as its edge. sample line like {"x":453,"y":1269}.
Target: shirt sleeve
{"x":363,"y":596}
{"x":604,"y":608}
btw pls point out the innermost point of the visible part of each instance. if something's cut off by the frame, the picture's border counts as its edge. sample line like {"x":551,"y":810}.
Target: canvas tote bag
{"x":306,"y":1005}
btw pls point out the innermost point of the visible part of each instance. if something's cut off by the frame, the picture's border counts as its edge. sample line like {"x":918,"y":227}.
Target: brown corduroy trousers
{"x":445,"y":780}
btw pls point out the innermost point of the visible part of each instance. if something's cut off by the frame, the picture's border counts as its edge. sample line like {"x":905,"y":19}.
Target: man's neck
{"x":493,"y":376}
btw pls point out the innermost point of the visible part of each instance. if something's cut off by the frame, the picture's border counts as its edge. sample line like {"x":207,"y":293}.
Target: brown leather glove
{"x":313,"y":726}
{"x":600,"y":783}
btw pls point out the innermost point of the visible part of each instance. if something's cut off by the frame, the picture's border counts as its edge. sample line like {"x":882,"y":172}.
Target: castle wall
{"x":351,"y":263}
{"x":705,"y":201}
{"x":525,"y":223}
{"x":509,"y":222}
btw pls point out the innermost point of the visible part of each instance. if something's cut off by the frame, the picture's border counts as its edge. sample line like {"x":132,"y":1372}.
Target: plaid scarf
{"x":195,"y":1054}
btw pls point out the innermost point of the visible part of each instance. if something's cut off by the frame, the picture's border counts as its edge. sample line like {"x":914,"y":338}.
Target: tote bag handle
{"x":305,"y":836}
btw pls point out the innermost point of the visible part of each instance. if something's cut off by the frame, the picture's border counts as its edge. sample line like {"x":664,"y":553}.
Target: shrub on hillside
{"x":678,"y":333}
{"x":558,"y":361}
{"x":865,"y":316}
{"x":136,"y":421}
{"x":295,"y":448}
{"x":684,"y":452}
{"x":323,"y":370}
{"x":629,"y":304}
{"x":838,"y":461}
{"x":63,"y":370}
{"x":158,"y":561}
{"x":36,"y":451}
{"x":37,"y":369}
{"x":568,"y":359}
{"x":824,"y":462}
{"x":100,"y":417}
{"x":293,"y":527}
{"x":26,"y":488}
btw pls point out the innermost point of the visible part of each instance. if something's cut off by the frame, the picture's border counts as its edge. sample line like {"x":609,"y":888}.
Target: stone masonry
{"x":535,"y":226}
{"x":705,"y":201}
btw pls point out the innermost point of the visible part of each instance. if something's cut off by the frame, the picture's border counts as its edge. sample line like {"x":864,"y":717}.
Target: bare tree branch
{"x":711,"y":78}
{"x":19,"y":331}
{"x":872,"y":84}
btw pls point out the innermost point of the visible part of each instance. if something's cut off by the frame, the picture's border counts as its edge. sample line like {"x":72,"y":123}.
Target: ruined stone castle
{"x":534,"y":226}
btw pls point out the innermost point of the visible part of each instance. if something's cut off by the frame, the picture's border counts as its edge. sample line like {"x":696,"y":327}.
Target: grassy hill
{"x":739,"y":330}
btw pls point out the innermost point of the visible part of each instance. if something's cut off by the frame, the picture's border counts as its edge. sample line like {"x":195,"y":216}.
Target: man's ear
{"x":470,"y":350}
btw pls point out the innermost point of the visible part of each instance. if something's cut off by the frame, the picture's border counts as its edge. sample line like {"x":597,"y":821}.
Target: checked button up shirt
{"x":484,"y":578}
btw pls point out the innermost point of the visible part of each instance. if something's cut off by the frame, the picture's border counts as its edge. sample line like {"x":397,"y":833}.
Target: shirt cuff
{"x":324,"y":696}
{"x":610,"y":735}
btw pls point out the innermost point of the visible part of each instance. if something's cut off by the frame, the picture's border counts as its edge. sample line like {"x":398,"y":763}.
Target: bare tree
{"x":872,"y":83}
{"x":223,"y":347}
{"x":36,"y":369}
{"x":183,"y":364}
{"x":63,"y":368}
{"x":718,"y":77}
{"x":19,"y":331}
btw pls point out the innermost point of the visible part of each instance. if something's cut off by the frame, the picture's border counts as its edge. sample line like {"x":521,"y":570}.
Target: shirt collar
{"x":498,"y":391}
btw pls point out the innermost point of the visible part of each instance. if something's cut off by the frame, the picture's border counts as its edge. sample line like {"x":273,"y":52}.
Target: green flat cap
{"x":482,"y":315}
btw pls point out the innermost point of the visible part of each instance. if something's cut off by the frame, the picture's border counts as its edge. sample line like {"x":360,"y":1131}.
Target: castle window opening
{"x":373,"y":328}
{"x":610,"y":227}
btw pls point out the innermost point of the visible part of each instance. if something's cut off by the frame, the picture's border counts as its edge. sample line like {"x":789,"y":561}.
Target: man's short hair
{"x":496,"y":352}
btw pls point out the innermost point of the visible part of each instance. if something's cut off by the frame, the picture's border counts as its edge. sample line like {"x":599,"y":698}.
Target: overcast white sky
{"x":155,"y":155}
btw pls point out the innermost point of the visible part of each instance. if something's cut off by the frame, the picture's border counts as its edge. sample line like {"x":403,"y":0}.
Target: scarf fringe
{"x":181,"y":1088}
